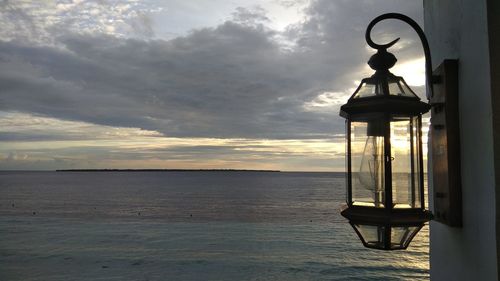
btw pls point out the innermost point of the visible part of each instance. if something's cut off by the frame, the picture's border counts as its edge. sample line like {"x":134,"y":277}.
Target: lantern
{"x":385,"y":183}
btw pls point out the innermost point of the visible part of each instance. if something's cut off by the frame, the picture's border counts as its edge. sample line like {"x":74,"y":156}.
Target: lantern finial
{"x":382,"y":60}
{"x":427,"y":52}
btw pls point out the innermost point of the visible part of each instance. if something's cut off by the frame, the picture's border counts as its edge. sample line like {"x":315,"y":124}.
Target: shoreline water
{"x":188,"y":226}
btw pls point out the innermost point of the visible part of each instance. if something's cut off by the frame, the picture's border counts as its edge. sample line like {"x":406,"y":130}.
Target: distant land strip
{"x":165,"y":170}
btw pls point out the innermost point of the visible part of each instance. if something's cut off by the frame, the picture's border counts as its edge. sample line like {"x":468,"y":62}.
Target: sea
{"x":188,"y":225}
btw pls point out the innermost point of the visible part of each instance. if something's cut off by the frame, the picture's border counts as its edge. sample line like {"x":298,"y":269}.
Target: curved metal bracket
{"x":421,"y":35}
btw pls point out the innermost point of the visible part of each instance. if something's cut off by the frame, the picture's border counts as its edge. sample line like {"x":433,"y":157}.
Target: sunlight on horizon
{"x":77,"y":144}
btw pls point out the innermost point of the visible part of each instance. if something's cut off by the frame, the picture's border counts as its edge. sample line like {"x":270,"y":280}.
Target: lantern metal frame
{"x":385,"y":107}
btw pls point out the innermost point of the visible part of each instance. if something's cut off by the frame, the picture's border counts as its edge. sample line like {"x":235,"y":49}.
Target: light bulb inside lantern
{"x":371,"y":170}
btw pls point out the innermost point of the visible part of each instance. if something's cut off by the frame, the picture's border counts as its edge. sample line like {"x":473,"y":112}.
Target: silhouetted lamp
{"x":385,"y":183}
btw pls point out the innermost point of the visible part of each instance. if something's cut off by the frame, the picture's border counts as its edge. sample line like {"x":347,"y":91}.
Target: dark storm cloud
{"x":237,"y":80}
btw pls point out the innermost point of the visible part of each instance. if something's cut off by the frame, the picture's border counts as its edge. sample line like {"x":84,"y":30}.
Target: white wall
{"x":458,"y":29}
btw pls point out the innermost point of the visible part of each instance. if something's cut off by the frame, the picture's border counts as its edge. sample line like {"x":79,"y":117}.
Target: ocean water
{"x":188,"y":226}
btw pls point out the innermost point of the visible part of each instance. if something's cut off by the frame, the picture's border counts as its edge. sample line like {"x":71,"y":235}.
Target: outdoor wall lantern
{"x":385,"y":177}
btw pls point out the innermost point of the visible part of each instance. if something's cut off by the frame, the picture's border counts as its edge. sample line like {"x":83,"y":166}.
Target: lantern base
{"x":384,"y":229}
{"x":375,"y":215}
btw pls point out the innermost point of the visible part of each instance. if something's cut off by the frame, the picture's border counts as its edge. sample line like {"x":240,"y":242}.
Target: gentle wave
{"x":188,"y":226}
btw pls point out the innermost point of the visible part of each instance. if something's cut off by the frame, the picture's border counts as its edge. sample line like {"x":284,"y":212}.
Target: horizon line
{"x":171,"y":170}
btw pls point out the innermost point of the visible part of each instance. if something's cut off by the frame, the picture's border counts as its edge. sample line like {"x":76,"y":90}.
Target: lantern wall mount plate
{"x":445,"y":133}
{"x":384,"y":153}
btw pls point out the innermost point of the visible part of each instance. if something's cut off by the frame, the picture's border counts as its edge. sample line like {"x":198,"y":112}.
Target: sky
{"x":198,"y":84}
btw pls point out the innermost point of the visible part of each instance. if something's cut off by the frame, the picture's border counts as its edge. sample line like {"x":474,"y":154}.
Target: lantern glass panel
{"x":372,"y":235}
{"x":386,"y":236}
{"x":366,"y":89}
{"x":406,"y":89}
{"x":398,"y":87}
{"x":401,"y":236}
{"x":347,"y":168}
{"x":404,"y":163}
{"x":417,"y":156}
{"x":367,"y":163}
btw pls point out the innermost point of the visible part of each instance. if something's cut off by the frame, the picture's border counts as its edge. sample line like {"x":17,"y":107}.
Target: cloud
{"x":15,"y":126}
{"x":222,"y":82}
{"x":14,"y":156}
{"x":239,"y":80}
{"x":246,"y":16}
{"x":39,"y":21}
